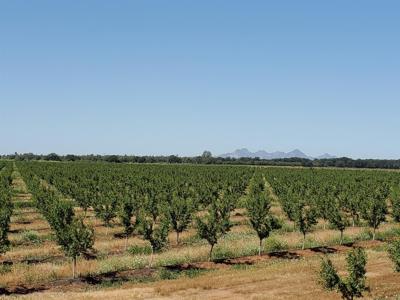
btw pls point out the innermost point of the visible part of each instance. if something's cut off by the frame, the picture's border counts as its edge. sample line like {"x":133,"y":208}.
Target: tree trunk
{"x":260,"y":247}
{"x":373,"y":234}
{"x":177,"y":237}
{"x":304,"y":241}
{"x":341,"y":237}
{"x":74,"y":268}
{"x":211,"y":250}
{"x":151,"y":257}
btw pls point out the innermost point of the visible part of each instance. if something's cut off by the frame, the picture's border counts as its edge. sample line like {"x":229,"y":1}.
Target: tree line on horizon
{"x":207,"y":158}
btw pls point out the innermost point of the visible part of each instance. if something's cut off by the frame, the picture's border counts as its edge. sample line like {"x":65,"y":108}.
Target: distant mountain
{"x":326,"y":156}
{"x":271,"y":155}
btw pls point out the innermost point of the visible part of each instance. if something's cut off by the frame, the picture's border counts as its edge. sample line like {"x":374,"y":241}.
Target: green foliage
{"x":60,"y":215}
{"x":374,"y":209}
{"x":140,"y":250}
{"x":31,"y":237}
{"x":163,"y":191}
{"x":6,"y":207}
{"x":84,"y":197}
{"x":273,"y":245}
{"x":129,"y":207}
{"x":395,"y":202}
{"x":305,"y":218}
{"x":106,"y":207}
{"x":4,"y":227}
{"x":155,"y":233}
{"x":4,"y":269}
{"x":77,"y":238}
{"x":328,"y":274}
{"x":216,"y":222}
{"x":337,"y":219}
{"x":354,"y":284}
{"x":209,"y":228}
{"x":356,"y":262}
{"x":166,"y":274}
{"x":394,"y":254}
{"x":258,"y":209}
{"x":180,"y":211}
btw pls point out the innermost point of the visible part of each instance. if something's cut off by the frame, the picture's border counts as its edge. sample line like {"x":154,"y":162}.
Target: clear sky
{"x":179,"y":77}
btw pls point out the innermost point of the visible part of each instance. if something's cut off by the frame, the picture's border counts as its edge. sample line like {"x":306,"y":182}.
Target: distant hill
{"x":239,"y":153}
{"x":326,"y":156}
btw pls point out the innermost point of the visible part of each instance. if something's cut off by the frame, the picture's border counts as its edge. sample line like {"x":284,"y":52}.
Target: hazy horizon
{"x":178,"y":77}
{"x":316,"y":156}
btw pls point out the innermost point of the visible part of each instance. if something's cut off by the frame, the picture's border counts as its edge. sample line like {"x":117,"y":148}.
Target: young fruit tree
{"x":215,"y":223}
{"x":375,"y":209}
{"x":60,"y":214}
{"x":354,"y":284}
{"x":305,"y":218}
{"x":180,"y":211}
{"x":394,"y":254}
{"x":323,"y":206}
{"x":77,"y":239}
{"x":74,"y":237}
{"x":338,"y":219}
{"x":351,"y":205}
{"x":128,"y":208}
{"x":6,"y":208}
{"x":258,"y":206}
{"x":154,"y":231}
{"x":395,"y":202}
{"x":106,"y":208}
{"x":83,"y":197}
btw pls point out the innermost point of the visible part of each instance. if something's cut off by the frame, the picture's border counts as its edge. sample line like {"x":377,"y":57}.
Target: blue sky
{"x":179,"y":77}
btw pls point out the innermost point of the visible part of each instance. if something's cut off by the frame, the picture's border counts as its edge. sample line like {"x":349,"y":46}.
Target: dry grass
{"x":274,"y":280}
{"x":266,"y":280}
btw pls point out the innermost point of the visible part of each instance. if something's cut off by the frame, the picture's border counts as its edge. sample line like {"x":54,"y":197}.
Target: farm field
{"x":84,"y":230}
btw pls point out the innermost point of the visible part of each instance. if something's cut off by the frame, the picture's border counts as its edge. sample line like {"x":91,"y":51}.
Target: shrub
{"x":166,"y":274}
{"x":224,"y":253}
{"x":364,"y":235}
{"x":31,"y":237}
{"x":394,"y":254}
{"x":272,"y":245}
{"x":354,"y":284}
{"x":328,"y":274}
{"x":309,"y":242}
{"x":140,"y":250}
{"x":388,"y":234}
{"x":4,"y":268}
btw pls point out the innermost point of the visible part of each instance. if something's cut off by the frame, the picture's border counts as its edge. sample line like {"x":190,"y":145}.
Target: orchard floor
{"x":35,"y":268}
{"x":273,"y":279}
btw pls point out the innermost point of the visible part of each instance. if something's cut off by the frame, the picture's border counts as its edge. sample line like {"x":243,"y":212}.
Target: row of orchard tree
{"x":153,"y":216}
{"x":71,"y":233}
{"x":153,"y":200}
{"x":6,"y":206}
{"x":341,"y":198}
{"x":103,"y":186}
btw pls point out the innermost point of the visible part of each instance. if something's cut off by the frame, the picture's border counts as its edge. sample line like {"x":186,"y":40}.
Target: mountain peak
{"x":296,"y":153}
{"x":326,"y":156}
